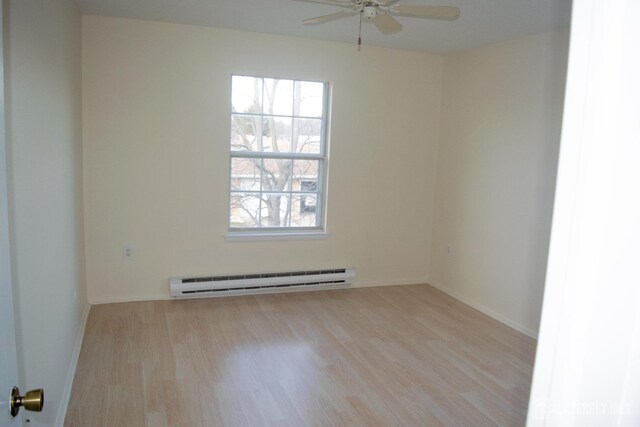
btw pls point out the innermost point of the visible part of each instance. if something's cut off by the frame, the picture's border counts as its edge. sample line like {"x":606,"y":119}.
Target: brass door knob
{"x":32,"y":401}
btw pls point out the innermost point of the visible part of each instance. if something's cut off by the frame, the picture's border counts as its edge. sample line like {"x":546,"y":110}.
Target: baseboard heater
{"x":261,"y":283}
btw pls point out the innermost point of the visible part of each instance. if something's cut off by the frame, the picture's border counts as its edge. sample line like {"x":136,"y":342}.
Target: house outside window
{"x":277,"y":154}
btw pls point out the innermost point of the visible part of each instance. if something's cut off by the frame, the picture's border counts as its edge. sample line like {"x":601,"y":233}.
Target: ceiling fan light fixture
{"x":369,"y":13}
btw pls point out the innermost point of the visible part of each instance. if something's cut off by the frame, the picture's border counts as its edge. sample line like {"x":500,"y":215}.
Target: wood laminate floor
{"x":390,"y":356}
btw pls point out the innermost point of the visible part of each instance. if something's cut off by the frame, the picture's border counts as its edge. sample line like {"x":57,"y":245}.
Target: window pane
{"x":305,"y":172}
{"x":245,"y":174}
{"x":245,"y":133}
{"x":276,"y":175}
{"x":303,"y":210}
{"x":246,"y":94}
{"x":275,"y":210}
{"x":306,"y":135}
{"x":308,"y":100}
{"x":278,"y":97}
{"x":276,"y":134}
{"x":309,"y":186}
{"x":245,"y":210}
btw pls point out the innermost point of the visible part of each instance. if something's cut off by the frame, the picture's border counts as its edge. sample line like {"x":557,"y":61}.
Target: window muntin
{"x":278,"y":154}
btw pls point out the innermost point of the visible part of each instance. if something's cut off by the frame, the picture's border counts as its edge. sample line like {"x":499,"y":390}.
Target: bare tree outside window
{"x":277,"y":152}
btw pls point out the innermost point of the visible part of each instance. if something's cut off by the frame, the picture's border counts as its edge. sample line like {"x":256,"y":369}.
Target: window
{"x":278,"y":154}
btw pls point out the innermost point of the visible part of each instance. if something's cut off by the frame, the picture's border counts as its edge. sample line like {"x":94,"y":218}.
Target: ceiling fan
{"x":381,"y":13}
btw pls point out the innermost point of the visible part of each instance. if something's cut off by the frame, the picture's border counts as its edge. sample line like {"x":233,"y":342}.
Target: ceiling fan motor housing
{"x":369,"y":12}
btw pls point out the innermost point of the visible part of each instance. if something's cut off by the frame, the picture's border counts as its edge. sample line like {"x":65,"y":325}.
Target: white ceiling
{"x":481,"y":21}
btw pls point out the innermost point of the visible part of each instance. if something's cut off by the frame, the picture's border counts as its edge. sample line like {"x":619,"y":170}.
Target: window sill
{"x":251,"y":236}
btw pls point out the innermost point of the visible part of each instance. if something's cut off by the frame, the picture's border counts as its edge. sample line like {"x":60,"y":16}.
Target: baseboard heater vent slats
{"x":259,"y":283}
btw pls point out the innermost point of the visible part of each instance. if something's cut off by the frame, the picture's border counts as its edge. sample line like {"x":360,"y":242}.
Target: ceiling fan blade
{"x":386,"y":3}
{"x":387,"y":24}
{"x":447,"y":13}
{"x":344,"y":3}
{"x":331,"y":17}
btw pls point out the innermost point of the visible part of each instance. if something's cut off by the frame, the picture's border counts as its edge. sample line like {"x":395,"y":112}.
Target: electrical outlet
{"x":449,"y":250}
{"x":127,"y":251}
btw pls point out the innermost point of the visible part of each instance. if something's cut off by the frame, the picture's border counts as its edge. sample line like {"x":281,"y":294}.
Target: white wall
{"x":497,"y":157}
{"x":44,"y":162}
{"x":156,"y":100}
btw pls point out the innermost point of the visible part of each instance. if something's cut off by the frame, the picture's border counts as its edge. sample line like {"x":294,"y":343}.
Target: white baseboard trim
{"x":100,"y":301}
{"x":71,"y":372}
{"x":376,"y":284}
{"x":481,"y":308}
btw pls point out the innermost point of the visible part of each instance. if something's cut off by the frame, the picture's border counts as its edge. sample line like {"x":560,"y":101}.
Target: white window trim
{"x":269,"y":236}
